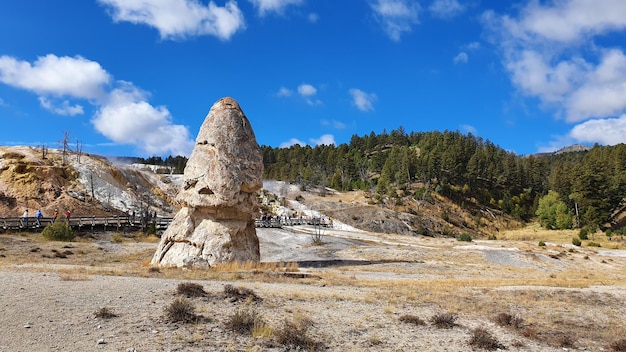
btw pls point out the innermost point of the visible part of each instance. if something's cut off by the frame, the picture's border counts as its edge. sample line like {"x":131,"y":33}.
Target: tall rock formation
{"x":219,"y":201}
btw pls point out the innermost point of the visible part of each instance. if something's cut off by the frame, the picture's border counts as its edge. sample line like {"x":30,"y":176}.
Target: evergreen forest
{"x":563,"y":190}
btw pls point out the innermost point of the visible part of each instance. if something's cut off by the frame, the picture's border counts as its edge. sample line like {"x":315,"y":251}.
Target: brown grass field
{"x":371,"y":292}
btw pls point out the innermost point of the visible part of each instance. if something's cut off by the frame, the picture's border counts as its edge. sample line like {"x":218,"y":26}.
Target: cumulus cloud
{"x":327,"y":139}
{"x":123,"y":115}
{"x":550,"y":53}
{"x":277,"y":6}
{"x":306,"y":90}
{"x":396,"y":16}
{"x":446,"y":8}
{"x":610,"y":131}
{"x":63,"y":109}
{"x":362,"y":100}
{"x":56,"y":76}
{"x":291,"y":142}
{"x":176,"y":19}
{"x":127,"y":118}
{"x":461,"y":58}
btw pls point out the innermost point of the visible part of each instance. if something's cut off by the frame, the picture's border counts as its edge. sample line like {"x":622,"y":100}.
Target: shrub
{"x":618,"y":346}
{"x":190,"y":289}
{"x":464,"y":237}
{"x":576,"y":242}
{"x":294,"y":335}
{"x":542,"y":244}
{"x":492,"y":238}
{"x":565,"y":341}
{"x":181,"y":310}
{"x":481,"y":338}
{"x":105,"y":313}
{"x":412,"y":319}
{"x":509,"y":320}
{"x":444,"y":320}
{"x":240,"y":293}
{"x":593,"y":244}
{"x":58,"y":231}
{"x":583,"y":234}
{"x":152,"y":230}
{"x":117,"y":238}
{"x":244,"y":321}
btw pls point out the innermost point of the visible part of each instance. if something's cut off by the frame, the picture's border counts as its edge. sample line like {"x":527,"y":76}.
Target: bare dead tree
{"x":79,"y":150}
{"x":44,"y":151}
{"x":65,"y":145}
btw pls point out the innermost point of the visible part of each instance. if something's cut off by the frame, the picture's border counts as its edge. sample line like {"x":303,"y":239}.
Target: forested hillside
{"x":466,"y":169}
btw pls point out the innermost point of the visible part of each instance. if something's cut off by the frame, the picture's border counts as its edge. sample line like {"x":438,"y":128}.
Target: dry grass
{"x":483,"y":339}
{"x":618,"y":346}
{"x":294,"y":334}
{"x":181,"y":310}
{"x":244,"y":321}
{"x":190,"y":289}
{"x":105,"y":313}
{"x":444,"y":320}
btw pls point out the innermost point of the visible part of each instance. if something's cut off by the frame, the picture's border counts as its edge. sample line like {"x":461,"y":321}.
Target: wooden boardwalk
{"x":127,"y":223}
{"x":84,"y":223}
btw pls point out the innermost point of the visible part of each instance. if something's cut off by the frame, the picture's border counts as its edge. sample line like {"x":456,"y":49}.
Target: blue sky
{"x":137,"y":77}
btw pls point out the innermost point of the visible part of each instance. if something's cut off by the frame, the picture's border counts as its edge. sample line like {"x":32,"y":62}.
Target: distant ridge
{"x":569,"y":149}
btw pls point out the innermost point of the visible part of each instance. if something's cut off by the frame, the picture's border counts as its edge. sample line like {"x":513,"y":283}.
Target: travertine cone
{"x":222,"y":176}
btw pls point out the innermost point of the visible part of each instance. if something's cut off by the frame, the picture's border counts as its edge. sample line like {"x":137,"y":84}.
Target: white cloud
{"x":469,"y":129}
{"x":446,"y":8}
{"x":567,"y":21}
{"x":123,"y":115}
{"x":284,"y":92}
{"x":64,"y":109}
{"x":550,"y":53}
{"x":291,"y":142}
{"x":306,"y":90}
{"x":327,"y":139}
{"x":610,"y":131}
{"x":176,"y":19}
{"x":56,"y":76}
{"x":127,"y":118}
{"x":473,"y":46}
{"x":461,"y":58}
{"x":362,"y":100}
{"x":334,"y":124}
{"x":396,"y":16}
{"x":313,"y":17}
{"x":277,"y":6}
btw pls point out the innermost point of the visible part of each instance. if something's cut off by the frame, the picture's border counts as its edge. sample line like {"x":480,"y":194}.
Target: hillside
{"x":86,"y":185}
{"x":93,"y":185}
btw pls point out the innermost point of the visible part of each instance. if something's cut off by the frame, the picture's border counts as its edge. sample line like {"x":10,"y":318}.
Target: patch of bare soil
{"x":357,"y":291}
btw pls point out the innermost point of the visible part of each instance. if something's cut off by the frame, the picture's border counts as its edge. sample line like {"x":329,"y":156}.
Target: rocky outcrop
{"x":218,"y":195}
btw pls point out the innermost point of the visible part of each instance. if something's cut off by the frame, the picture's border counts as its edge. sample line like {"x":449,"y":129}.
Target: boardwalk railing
{"x":84,"y":223}
{"x":284,"y":221}
{"x":105,"y":223}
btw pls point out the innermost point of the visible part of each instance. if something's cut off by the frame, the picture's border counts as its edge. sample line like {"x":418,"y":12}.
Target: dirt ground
{"x":357,"y":291}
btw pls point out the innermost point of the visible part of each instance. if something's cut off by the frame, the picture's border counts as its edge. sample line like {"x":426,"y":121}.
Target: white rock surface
{"x":218,"y":196}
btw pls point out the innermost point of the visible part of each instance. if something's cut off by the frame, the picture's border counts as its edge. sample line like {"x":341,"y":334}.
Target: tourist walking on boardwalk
{"x":25,"y":217}
{"x":67,"y":216}
{"x":38,"y":214}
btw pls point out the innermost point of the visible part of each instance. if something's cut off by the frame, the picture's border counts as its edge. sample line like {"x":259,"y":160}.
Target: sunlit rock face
{"x":219,"y":202}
